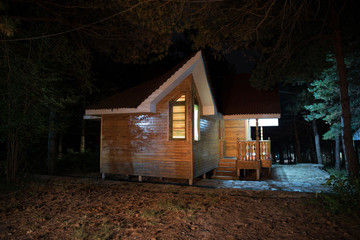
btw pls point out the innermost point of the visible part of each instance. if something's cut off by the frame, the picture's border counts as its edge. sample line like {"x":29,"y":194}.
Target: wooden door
{"x":233,"y":129}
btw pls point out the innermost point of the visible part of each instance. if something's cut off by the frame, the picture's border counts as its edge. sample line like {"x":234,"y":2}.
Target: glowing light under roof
{"x":265,"y":122}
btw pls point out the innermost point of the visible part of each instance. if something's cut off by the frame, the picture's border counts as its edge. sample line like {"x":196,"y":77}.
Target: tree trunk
{"x":281,"y":156}
{"x":82,"y":140}
{"x":343,"y":150}
{"x":60,"y":146}
{"x":12,"y":139}
{"x":12,"y":156}
{"x":312,"y":148}
{"x":297,"y":142}
{"x":337,"y":153}
{"x":317,"y":142}
{"x":52,"y":146}
{"x":353,"y":165}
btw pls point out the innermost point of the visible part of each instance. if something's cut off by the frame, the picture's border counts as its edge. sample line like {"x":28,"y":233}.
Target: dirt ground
{"x":84,"y":208}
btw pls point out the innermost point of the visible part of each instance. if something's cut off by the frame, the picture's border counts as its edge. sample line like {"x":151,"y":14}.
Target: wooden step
{"x":225,"y":173}
{"x":226,"y":168}
{"x":227,"y":164}
{"x":227,"y":159}
{"x":224,"y":177}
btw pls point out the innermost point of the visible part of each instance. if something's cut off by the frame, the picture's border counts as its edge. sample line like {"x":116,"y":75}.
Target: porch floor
{"x":294,"y":178}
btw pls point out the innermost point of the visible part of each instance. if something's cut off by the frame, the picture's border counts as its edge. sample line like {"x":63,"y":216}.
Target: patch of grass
{"x":80,"y":233}
{"x":283,"y":210}
{"x":333,"y":171}
{"x":181,"y":206}
{"x":171,"y":189}
{"x":191,"y":217}
{"x":196,"y":206}
{"x":172,"y":205}
{"x":105,"y":231}
{"x":130,"y":212}
{"x":169,"y":207}
{"x":151,"y":213}
{"x":83,"y":230}
{"x":213,"y":197}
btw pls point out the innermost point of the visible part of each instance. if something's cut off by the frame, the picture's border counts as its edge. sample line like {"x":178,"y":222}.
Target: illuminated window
{"x":181,"y":98}
{"x":196,"y":122}
{"x":177,"y":118}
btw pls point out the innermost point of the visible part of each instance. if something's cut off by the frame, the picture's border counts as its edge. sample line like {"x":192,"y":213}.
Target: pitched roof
{"x":240,"y":98}
{"x":144,"y":97}
{"x":133,"y":97}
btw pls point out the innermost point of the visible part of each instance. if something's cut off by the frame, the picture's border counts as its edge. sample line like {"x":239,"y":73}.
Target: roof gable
{"x":144,"y":97}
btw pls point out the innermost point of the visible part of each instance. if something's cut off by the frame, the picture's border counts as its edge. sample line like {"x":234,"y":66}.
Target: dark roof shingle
{"x":239,"y":97}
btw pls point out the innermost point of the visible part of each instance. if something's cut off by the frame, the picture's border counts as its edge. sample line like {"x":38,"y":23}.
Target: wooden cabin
{"x":168,"y":127}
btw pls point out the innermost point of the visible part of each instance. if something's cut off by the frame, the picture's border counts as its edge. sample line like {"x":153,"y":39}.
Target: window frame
{"x":171,"y":104}
{"x":196,"y":125}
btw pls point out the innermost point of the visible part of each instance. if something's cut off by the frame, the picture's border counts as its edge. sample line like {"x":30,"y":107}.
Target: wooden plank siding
{"x":233,"y":129}
{"x":139,"y":144}
{"x":206,"y":151}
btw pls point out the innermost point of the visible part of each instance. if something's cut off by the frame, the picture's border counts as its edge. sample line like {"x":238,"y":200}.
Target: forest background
{"x":56,"y":58}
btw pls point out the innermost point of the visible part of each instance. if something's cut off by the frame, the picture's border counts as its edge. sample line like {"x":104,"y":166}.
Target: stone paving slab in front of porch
{"x":294,"y":178}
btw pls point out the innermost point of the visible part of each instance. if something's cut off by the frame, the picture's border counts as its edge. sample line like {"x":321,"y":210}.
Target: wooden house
{"x":169,"y":126}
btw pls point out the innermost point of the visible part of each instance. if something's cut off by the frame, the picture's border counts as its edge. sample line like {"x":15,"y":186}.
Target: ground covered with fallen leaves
{"x":85,"y":208}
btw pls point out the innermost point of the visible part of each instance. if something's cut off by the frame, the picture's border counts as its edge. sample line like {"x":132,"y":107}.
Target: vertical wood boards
{"x":233,"y":129}
{"x":206,"y":152}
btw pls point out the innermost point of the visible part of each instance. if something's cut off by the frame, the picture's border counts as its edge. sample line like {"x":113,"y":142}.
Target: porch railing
{"x":253,"y":155}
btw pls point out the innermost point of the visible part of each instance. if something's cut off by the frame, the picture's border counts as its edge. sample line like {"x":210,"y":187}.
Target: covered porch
{"x":247,"y":112}
{"x":239,"y":153}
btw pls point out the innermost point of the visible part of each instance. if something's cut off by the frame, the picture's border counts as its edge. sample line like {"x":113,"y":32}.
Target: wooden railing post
{"x":269,"y":150}
{"x":257,"y":150}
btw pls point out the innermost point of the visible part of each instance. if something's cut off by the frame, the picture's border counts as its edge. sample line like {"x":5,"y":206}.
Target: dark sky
{"x":241,"y":61}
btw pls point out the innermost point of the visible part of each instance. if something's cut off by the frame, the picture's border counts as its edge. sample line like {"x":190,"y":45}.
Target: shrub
{"x":345,"y":197}
{"x":72,"y":161}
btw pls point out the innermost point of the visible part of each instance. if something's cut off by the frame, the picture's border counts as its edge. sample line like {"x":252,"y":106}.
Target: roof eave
{"x":96,"y":112}
{"x":253,"y":116}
